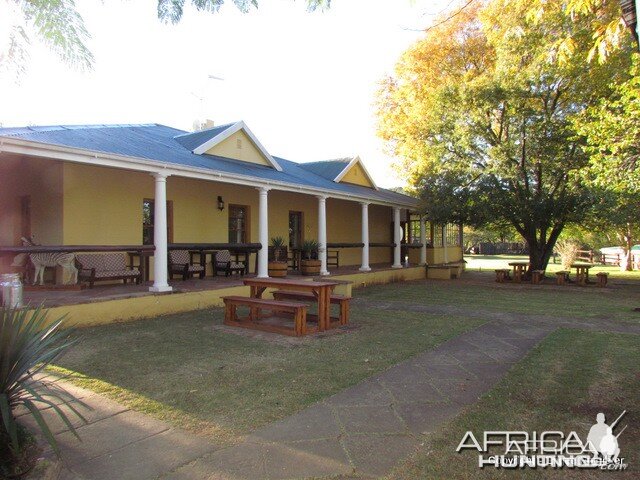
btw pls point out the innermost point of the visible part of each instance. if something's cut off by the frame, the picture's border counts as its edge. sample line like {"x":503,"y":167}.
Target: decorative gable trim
{"x":236,"y":127}
{"x":355,"y":160}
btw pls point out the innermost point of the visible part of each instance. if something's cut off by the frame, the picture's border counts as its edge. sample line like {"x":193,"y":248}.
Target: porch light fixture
{"x":220,"y":203}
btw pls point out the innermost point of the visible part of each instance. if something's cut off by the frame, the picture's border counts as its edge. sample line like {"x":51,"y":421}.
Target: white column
{"x":322,"y":234}
{"x":365,"y":238}
{"x":444,"y":246}
{"x":160,"y":260}
{"x":397,"y":238}
{"x":263,"y":234}
{"x":423,"y":241}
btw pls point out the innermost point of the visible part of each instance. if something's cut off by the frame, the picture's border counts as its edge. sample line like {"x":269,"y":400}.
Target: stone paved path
{"x":367,"y":429}
{"x":361,"y":432}
{"x":117,"y":443}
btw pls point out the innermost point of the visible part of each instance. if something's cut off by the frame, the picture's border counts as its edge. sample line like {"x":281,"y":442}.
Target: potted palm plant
{"x":277,"y":267}
{"x":309,"y":265}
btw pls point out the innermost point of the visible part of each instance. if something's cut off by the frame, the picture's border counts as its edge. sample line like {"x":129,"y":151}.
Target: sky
{"x":303,"y":82}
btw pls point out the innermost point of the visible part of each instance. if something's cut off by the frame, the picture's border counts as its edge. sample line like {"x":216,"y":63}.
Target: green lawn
{"x":179,"y":369}
{"x":554,"y":388}
{"x":491,"y":262}
{"x":479,"y":292}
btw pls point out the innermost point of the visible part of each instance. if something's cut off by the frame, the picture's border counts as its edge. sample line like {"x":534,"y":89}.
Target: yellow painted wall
{"x":357,"y":176}
{"x":344,"y":220}
{"x":103,"y":206}
{"x":240,"y":147}
{"x":42,"y":181}
{"x":128,"y":309}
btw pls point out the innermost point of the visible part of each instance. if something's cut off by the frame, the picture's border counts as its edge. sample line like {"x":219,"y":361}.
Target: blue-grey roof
{"x":166,"y":144}
{"x":193,"y":140}
{"x":328,"y":169}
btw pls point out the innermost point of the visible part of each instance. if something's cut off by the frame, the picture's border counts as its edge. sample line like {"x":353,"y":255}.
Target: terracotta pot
{"x":310,"y":267}
{"x":277,"y":269}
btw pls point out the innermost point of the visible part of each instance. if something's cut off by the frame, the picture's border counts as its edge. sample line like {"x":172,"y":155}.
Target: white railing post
{"x":160,"y":257}
{"x":322,"y":234}
{"x":365,"y":238}
{"x":263,"y":233}
{"x":397,"y":238}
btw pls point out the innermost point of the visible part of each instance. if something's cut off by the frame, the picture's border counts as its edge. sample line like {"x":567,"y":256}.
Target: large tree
{"x":479,"y":113}
{"x":612,"y":132}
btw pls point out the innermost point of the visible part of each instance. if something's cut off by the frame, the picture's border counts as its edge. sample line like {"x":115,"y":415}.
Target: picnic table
{"x":582,"y":271}
{"x":519,"y":269}
{"x":321,"y":290}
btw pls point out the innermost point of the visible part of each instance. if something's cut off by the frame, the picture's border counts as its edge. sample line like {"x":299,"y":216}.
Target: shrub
{"x":568,"y":250}
{"x":28,"y":343}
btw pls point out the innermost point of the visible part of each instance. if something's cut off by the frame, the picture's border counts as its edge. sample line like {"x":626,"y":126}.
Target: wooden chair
{"x":180,"y":262}
{"x":333,"y":258}
{"x":222,"y":263}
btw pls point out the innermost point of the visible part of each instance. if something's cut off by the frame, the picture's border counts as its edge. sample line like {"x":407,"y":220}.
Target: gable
{"x":357,"y":175}
{"x":239,"y":147}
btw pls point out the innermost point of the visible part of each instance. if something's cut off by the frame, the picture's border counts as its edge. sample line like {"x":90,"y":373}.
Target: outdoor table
{"x":143,"y":261}
{"x":582,"y":271}
{"x":518,"y":270}
{"x":322,"y":291}
{"x":202,"y":255}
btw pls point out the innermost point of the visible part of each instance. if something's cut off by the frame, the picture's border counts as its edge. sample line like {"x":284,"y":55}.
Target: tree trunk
{"x":625,"y":237}
{"x":541,"y":248}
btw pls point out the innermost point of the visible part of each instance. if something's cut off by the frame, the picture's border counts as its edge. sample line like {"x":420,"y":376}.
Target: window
{"x":148,"y":215}
{"x":238,"y":224}
{"x":437,"y":235}
{"x":295,"y":229}
{"x":452,"y":234}
{"x":414,"y":229}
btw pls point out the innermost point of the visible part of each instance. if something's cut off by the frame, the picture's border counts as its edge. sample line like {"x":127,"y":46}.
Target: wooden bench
{"x":256,"y":305}
{"x":333,"y":258}
{"x":502,"y":275}
{"x":96,"y":267}
{"x":562,"y":277}
{"x":537,"y":276}
{"x":335,"y":299}
{"x":603,"y":278}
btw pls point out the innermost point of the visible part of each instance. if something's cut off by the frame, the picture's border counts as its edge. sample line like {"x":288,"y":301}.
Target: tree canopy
{"x":479,"y":113}
{"x":612,"y":132}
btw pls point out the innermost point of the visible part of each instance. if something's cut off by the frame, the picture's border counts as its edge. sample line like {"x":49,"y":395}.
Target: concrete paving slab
{"x":369,"y":420}
{"x":493,"y":370}
{"x":106,"y":436}
{"x":98,"y":408}
{"x":312,"y":423}
{"x":423,"y":418}
{"x":147,"y":458}
{"x":368,"y":392}
{"x":376,"y":455}
{"x":414,"y":392}
{"x":448,"y":372}
{"x":465,"y":392}
{"x":315,"y":458}
{"x":245,"y":461}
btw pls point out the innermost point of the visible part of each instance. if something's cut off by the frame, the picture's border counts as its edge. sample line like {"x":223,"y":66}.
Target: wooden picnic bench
{"x":256,"y":306}
{"x":334,"y":299}
{"x":562,"y":277}
{"x":502,"y":275}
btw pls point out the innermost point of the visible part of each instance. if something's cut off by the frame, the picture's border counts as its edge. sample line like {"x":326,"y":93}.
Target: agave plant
{"x":308,"y":247}
{"x":277,"y":243}
{"x":28,"y":343}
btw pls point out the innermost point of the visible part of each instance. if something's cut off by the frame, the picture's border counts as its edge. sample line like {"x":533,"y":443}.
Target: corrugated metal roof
{"x":195,"y":139}
{"x":328,"y":169}
{"x":173,"y":146}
